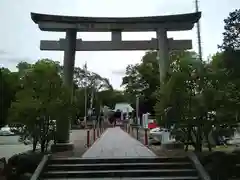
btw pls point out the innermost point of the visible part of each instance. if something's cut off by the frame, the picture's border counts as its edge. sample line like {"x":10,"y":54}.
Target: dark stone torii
{"x":72,"y":24}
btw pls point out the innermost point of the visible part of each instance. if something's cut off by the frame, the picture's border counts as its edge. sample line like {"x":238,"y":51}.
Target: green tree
{"x":8,"y":87}
{"x":143,"y":78}
{"x":111,"y":97}
{"x":23,"y":67}
{"x":231,"y":35}
{"x":198,"y":96}
{"x":92,"y":84}
{"x":183,"y":99}
{"x":41,"y":98}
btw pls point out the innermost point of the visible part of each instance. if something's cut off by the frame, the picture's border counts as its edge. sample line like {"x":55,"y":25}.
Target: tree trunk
{"x":42,"y":145}
{"x":208,"y":141}
{"x":198,"y":147}
{"x":34,"y":143}
{"x":189,"y":138}
{"x":209,"y":144}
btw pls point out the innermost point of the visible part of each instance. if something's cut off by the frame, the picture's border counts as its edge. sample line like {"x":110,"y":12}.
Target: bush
{"x":219,"y":165}
{"x":20,"y":164}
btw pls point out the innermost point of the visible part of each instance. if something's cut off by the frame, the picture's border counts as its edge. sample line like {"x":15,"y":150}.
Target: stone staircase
{"x":179,"y":168}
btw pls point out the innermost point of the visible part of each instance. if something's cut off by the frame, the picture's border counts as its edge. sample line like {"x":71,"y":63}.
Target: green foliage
{"x":22,"y":163}
{"x":98,"y":90}
{"x":84,"y":78}
{"x":143,"y":78}
{"x":231,"y":35}
{"x":8,"y":88}
{"x":36,"y":92}
{"x":198,"y":96}
{"x":41,"y":97}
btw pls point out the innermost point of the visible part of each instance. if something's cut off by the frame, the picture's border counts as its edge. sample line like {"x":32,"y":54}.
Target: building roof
{"x":124,"y":107}
{"x":111,"y":23}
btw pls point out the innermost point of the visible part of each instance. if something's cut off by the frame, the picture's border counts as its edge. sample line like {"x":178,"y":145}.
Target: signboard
{"x":121,"y":116}
{"x":145,"y":120}
{"x":89,"y":112}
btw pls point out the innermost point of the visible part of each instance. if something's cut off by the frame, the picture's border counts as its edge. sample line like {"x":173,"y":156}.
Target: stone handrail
{"x":199,"y":167}
{"x":40,"y":168}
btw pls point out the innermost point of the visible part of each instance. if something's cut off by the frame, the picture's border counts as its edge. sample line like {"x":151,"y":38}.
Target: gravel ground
{"x":156,"y":148}
{"x":79,"y":139}
{"x":140,"y":135}
{"x":9,"y":145}
{"x":173,"y":153}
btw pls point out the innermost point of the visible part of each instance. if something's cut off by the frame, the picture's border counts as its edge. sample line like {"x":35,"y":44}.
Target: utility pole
{"x":85,"y":92}
{"x":198,"y":32}
{"x":137,"y":109}
{"x":91,"y":108}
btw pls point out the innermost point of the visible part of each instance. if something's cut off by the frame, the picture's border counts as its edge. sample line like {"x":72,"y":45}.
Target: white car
{"x":235,"y":140}
{"x":6,"y":131}
{"x":161,"y":135}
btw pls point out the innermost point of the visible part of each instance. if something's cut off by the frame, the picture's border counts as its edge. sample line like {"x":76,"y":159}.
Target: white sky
{"x":20,"y":37}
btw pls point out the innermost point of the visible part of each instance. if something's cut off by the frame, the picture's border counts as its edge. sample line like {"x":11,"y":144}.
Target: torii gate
{"x":72,"y":24}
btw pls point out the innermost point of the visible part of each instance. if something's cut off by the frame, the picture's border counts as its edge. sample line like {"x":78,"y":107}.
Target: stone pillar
{"x":69,"y":57}
{"x":163,"y":53}
{"x":63,"y":127}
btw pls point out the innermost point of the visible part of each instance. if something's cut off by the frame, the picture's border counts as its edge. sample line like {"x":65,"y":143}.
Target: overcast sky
{"x":20,"y":37}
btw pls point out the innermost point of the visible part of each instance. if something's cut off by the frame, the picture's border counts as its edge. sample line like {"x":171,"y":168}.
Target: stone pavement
{"x":79,"y":139}
{"x":115,"y":143}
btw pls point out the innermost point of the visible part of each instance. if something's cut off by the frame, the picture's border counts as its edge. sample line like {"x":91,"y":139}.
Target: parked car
{"x":152,"y":124}
{"x":6,"y":131}
{"x":235,"y":140}
{"x":160,"y":135}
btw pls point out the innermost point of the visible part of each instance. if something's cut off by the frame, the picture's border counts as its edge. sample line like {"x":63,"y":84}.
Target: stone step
{"x":74,"y":160}
{"x":121,"y":173}
{"x":119,"y":166}
{"x":132,"y":178}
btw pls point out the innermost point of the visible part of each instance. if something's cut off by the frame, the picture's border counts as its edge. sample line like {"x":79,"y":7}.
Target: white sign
{"x":89,"y":112}
{"x":145,"y":120}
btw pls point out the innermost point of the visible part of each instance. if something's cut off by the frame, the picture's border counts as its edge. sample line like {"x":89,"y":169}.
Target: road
{"x":9,"y":146}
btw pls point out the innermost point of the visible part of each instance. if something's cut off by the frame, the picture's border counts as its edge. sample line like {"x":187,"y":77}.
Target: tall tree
{"x":8,"y":87}
{"x":231,"y":35}
{"x":41,"y":99}
{"x":143,"y":78}
{"x":89,"y":84}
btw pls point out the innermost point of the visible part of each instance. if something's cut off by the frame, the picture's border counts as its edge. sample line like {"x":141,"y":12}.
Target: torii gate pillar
{"x":162,"y":53}
{"x":63,"y":128}
{"x":69,"y":57}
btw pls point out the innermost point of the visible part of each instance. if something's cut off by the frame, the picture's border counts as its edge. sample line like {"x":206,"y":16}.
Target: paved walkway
{"x":115,"y":143}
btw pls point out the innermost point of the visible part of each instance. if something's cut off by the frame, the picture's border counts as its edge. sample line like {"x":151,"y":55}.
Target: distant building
{"x":124,"y":107}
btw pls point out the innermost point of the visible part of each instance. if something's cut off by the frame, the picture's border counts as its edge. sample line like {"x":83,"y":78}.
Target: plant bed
{"x":22,"y":166}
{"x":220,"y":165}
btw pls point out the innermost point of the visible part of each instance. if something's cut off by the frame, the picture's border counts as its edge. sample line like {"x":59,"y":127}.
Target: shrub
{"x":20,"y":164}
{"x":219,"y":165}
